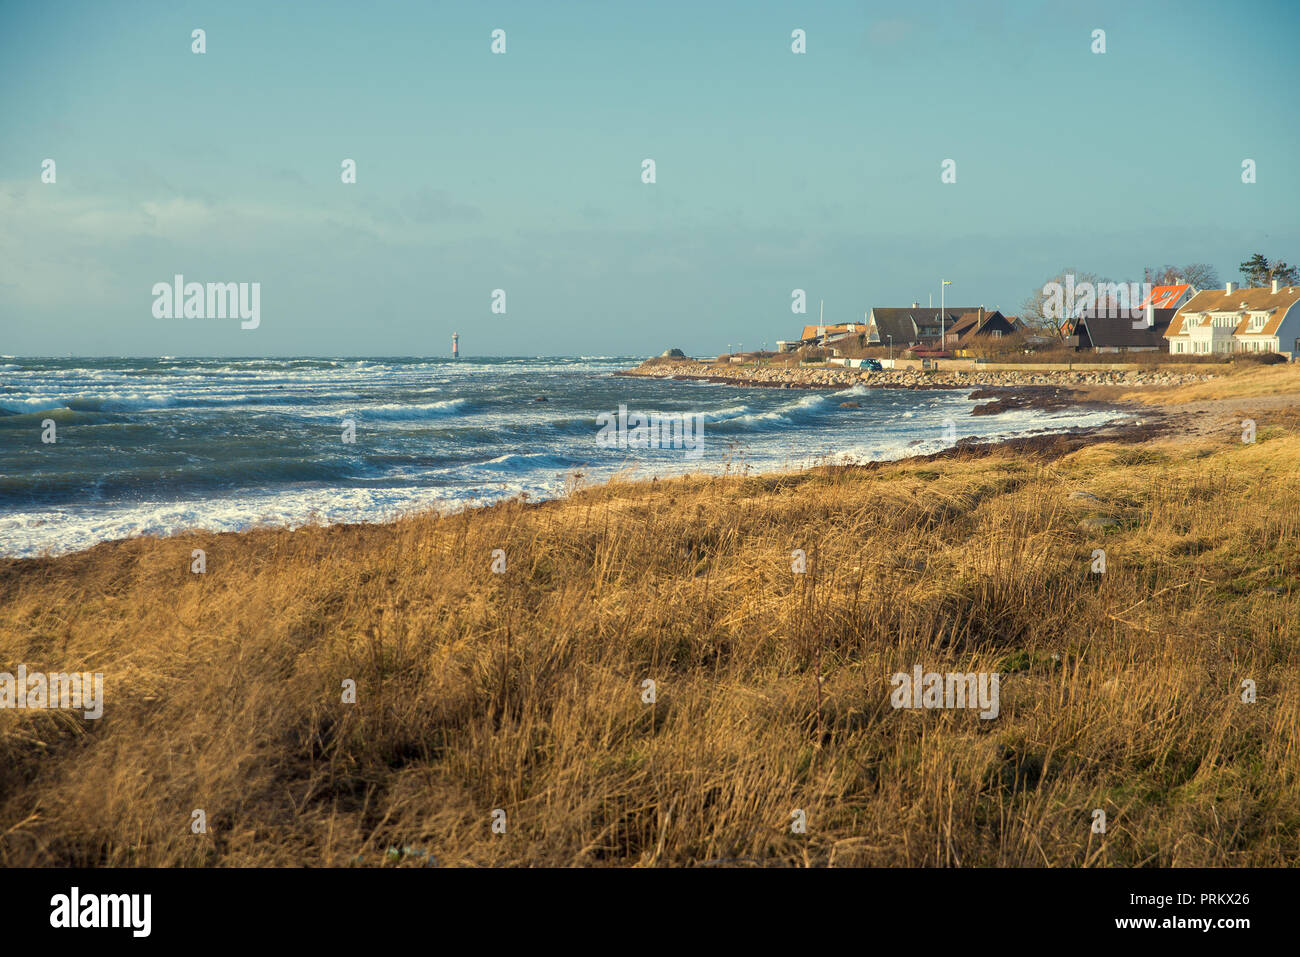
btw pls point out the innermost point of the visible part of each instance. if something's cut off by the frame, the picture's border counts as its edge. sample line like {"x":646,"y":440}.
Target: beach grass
{"x":524,"y":691}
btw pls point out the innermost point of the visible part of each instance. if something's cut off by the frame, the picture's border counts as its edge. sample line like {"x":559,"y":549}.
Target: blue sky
{"x":522,"y":171}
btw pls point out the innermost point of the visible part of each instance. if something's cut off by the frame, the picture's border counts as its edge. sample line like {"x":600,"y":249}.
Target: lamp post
{"x":943,"y":287}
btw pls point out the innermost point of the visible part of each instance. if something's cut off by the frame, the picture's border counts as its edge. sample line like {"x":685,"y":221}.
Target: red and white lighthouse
{"x":455,"y":345}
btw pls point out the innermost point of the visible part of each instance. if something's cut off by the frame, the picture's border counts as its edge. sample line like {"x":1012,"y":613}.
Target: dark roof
{"x":898,"y":321}
{"x":971,"y":324}
{"x":1107,"y":332}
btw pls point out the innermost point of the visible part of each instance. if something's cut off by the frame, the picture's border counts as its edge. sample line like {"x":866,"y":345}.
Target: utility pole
{"x":943,"y":287}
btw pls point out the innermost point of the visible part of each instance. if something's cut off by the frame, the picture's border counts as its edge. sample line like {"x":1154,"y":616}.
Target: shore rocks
{"x":838,"y":376}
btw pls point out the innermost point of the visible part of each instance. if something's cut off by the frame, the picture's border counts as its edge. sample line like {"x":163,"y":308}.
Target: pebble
{"x":907,"y":378}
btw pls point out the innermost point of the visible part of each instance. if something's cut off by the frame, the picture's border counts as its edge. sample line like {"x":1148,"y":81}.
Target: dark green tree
{"x":1257,"y":271}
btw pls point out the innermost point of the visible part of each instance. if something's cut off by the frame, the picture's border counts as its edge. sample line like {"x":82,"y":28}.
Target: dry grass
{"x":522,"y":691}
{"x":1243,"y":380}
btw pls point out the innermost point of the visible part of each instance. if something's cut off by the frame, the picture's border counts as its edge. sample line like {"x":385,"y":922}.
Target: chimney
{"x":1228,"y":288}
{"x":1275,"y":287}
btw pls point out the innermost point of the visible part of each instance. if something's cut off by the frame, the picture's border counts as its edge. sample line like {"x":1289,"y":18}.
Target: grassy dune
{"x":523,"y":691}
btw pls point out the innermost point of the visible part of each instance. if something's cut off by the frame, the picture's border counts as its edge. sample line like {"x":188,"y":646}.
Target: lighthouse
{"x":455,"y":345}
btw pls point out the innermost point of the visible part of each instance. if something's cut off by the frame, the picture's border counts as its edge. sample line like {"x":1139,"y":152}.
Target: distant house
{"x":1264,"y":319}
{"x":971,"y":326}
{"x":1101,"y":333}
{"x":838,"y":330}
{"x":825,"y":335}
{"x":910,"y":326}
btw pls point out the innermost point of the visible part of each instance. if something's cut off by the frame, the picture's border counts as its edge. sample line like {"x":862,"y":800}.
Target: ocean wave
{"x":527,"y":461}
{"x":389,"y":411}
{"x":803,"y":409}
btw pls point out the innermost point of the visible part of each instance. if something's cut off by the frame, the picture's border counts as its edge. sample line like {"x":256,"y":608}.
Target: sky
{"x":522,"y":171}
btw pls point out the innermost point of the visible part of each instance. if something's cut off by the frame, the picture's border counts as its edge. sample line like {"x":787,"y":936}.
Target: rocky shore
{"x":834,"y":377}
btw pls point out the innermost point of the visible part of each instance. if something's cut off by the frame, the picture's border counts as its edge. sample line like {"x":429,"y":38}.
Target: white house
{"x":1238,"y":320}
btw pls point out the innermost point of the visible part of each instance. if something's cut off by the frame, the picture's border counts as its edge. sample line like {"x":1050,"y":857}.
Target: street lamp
{"x":943,"y":287}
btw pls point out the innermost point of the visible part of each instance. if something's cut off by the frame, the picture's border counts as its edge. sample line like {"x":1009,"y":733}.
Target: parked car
{"x":872,"y":365}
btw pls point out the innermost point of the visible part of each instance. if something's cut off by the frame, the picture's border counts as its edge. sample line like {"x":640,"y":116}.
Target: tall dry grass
{"x":523,"y":691}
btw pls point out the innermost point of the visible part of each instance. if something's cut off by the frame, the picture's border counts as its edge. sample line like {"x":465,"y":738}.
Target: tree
{"x":1258,"y":271}
{"x":1041,"y":318}
{"x":1200,"y":275}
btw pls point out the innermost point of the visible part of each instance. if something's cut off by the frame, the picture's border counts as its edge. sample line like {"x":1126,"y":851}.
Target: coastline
{"x":520,"y":686}
{"x":836,"y":377}
{"x":1144,"y":417}
{"x":994,"y":394}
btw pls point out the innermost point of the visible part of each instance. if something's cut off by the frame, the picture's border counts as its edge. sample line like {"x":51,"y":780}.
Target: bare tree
{"x":1040,"y":318}
{"x":1200,"y":275}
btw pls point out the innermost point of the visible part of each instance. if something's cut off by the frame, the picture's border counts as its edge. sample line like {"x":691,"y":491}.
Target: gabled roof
{"x":1106,"y":332}
{"x":973,"y":323}
{"x":1165,"y":297}
{"x":1241,"y":301}
{"x":898,"y":322}
{"x":964,"y":323}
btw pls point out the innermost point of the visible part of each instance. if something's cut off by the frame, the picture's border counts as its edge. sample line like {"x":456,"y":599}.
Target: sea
{"x":161,"y":445}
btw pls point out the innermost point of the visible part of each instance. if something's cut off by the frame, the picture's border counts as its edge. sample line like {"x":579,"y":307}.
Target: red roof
{"x":1165,"y":297}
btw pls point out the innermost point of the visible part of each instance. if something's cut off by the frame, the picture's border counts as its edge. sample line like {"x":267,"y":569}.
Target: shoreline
{"x":835,"y":377}
{"x":1139,"y":423}
{"x":499,"y":659}
{"x":1148,"y":417}
{"x":1149,"y":423}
